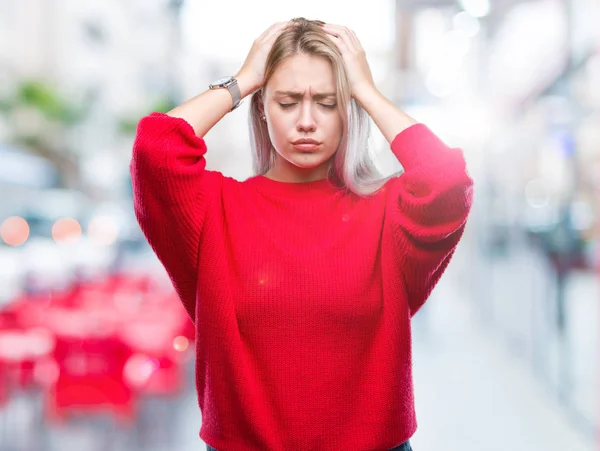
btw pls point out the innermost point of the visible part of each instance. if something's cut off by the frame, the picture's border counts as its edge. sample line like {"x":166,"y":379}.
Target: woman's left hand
{"x":355,"y":58}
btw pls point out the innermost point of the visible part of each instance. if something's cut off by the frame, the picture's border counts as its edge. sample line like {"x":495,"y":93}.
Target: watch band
{"x":235,"y":92}
{"x":232,"y":86}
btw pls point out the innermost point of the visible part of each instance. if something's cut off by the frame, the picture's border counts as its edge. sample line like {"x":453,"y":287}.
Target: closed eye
{"x":288,"y":105}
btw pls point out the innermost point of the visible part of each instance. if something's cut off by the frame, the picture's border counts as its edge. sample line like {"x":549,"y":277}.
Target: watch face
{"x":221,"y":81}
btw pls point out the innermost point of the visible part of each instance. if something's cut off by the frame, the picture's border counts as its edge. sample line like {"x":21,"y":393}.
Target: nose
{"x":306,"y":121}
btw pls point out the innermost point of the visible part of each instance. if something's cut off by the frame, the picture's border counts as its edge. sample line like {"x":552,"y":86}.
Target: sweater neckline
{"x":314,"y":189}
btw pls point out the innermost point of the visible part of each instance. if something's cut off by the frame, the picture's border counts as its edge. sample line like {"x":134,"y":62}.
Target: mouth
{"x":306,"y":144}
{"x":306,"y":147}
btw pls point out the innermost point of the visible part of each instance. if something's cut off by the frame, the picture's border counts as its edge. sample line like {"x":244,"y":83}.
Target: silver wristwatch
{"x":231,"y":84}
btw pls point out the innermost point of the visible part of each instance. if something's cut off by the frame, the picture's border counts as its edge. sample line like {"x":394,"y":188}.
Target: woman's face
{"x":300,"y":103}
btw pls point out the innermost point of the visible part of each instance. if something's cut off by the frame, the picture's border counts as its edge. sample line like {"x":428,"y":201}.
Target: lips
{"x":305,"y":141}
{"x":306,"y":144}
{"x":306,"y":147}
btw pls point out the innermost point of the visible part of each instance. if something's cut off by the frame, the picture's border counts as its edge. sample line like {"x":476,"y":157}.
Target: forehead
{"x":303,"y":73}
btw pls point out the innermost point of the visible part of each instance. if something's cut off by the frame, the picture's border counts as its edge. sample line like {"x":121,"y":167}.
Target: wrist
{"x":365,"y":94}
{"x":246,"y":84}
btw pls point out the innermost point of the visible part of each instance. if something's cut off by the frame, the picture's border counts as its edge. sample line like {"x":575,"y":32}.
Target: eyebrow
{"x":298,"y":95}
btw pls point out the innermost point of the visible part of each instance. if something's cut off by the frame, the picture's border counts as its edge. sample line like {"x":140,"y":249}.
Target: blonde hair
{"x":353,"y":164}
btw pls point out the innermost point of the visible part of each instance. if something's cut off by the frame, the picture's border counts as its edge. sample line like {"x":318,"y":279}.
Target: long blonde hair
{"x":353,"y":166}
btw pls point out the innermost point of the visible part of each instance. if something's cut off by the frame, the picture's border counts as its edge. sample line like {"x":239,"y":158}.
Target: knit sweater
{"x":301,"y":293}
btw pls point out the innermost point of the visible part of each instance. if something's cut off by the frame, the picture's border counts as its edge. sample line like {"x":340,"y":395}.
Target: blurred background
{"x":96,"y":352}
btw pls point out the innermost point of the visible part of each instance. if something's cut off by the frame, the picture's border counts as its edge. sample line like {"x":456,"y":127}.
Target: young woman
{"x":302,"y":279}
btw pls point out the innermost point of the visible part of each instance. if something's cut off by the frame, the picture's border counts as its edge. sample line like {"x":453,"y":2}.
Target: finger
{"x":342,"y":32}
{"x":340,"y":29}
{"x":330,"y":28}
{"x":274,"y":29}
{"x":341,"y":44}
{"x":333,"y":30}
{"x":355,"y":39}
{"x":267,"y":31}
{"x":270,"y":39}
{"x":342,"y":37}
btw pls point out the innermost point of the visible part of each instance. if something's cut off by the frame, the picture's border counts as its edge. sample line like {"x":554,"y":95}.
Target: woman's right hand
{"x":251,"y":75}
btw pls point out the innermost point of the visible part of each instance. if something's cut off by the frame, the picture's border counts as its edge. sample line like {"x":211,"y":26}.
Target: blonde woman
{"x":302,"y":279}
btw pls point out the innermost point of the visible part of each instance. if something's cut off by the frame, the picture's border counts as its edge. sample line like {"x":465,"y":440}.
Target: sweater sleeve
{"x":171,"y":196}
{"x":428,"y":207}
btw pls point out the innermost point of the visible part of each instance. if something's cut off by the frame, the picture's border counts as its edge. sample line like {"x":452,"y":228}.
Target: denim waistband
{"x":403,"y":447}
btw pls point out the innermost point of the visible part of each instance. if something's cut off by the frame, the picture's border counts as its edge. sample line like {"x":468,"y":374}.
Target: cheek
{"x":336,"y":127}
{"x":277,"y":129}
{"x":281,"y":126}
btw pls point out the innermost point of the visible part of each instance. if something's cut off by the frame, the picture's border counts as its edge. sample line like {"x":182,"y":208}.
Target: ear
{"x":260,"y":101}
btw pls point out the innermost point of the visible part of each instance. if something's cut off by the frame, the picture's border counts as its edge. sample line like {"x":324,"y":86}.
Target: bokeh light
{"x":180,"y":343}
{"x":66,"y":230}
{"x":103,"y":231}
{"x":14,"y":231}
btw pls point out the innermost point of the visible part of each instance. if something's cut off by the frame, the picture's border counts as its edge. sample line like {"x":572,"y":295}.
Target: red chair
{"x":20,"y":352}
{"x":90,"y":378}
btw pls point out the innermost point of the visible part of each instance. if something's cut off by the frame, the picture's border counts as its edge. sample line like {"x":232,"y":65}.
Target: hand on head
{"x":254,"y":64}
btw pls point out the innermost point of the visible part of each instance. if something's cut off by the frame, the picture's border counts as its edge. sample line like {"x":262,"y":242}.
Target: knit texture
{"x":301,"y":293}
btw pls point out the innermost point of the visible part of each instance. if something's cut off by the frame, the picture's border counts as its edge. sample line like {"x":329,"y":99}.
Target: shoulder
{"x":385,"y":190}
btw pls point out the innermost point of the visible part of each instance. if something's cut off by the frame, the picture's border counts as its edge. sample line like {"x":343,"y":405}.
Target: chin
{"x":308,"y":163}
{"x":308,"y":159}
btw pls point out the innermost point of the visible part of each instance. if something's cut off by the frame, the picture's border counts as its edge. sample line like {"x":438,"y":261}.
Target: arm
{"x":389,"y":119}
{"x":205,"y":110}
{"x":172,"y":190}
{"x":427,"y":210}
{"x":428,"y":205}
{"x":171,"y":196}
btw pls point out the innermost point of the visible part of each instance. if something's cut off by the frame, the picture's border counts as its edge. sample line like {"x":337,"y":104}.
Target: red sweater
{"x":302,"y":294}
